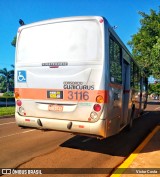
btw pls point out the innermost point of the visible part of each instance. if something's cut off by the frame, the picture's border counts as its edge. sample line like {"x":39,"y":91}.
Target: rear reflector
{"x":81,"y":126}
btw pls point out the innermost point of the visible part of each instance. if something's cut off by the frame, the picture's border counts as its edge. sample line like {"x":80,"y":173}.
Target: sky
{"x":120,"y":13}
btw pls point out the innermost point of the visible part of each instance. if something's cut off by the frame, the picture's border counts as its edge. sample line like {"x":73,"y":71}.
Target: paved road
{"x":67,"y":151}
{"x":19,"y":145}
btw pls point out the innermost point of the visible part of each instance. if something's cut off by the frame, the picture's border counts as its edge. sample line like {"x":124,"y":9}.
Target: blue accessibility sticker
{"x":21,"y":76}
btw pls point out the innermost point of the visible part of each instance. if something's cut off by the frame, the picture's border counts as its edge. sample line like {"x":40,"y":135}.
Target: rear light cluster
{"x":21,"y":111}
{"x":99,"y":99}
{"x":20,"y":108}
{"x":97,"y":108}
{"x":16,"y":95}
{"x":19,"y":103}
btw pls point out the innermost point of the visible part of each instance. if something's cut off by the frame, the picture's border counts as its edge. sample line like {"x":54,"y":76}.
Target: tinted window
{"x":115,"y":62}
{"x":136,"y":78}
{"x":132,"y":75}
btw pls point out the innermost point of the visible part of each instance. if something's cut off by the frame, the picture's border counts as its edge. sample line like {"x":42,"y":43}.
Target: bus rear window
{"x":65,"y":41}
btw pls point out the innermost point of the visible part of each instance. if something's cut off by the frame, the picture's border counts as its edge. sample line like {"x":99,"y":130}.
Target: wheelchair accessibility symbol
{"x":21,"y":76}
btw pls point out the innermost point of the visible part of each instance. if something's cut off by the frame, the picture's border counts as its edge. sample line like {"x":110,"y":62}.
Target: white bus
{"x":75,"y":75}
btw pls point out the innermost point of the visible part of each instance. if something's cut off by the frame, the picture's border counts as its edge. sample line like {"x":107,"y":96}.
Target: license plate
{"x":56,"y":108}
{"x":54,"y":94}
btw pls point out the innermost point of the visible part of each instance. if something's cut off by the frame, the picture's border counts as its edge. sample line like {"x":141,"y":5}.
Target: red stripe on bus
{"x":117,"y":86}
{"x":126,"y":91}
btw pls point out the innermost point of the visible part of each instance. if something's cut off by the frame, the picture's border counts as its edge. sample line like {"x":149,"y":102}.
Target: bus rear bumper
{"x":97,"y":129}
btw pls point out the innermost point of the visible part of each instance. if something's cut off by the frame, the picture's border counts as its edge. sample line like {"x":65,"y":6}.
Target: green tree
{"x":2,"y":84}
{"x":146,"y":43}
{"x":154,"y":88}
{"x":155,"y":54}
{"x":7,"y":79}
{"x":13,"y":43}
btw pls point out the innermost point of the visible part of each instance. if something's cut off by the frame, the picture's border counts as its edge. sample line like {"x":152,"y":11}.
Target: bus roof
{"x":58,"y":20}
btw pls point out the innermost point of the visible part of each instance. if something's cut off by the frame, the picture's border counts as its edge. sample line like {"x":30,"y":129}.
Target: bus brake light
{"x":97,"y":107}
{"x":19,"y":103}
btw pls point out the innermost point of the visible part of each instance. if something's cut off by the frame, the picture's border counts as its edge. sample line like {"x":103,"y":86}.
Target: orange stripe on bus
{"x":68,"y":95}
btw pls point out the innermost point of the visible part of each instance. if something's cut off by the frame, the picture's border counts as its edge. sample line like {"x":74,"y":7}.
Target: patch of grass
{"x":6,"y":111}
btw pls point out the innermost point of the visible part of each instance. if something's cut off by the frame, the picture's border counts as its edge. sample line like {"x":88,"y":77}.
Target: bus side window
{"x":115,"y":62}
{"x":132,"y":75}
{"x":136,"y":78}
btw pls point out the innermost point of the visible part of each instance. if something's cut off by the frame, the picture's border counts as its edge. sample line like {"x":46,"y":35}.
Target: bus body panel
{"x":43,"y":81}
{"x":97,"y":129}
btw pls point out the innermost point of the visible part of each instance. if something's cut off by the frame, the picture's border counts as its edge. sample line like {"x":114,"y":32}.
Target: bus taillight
{"x":94,"y":116}
{"x":97,"y":107}
{"x":19,"y":103}
{"x":21,"y":110}
{"x":99,"y":99}
{"x":17,"y":95}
